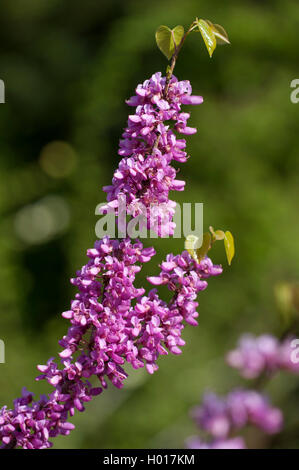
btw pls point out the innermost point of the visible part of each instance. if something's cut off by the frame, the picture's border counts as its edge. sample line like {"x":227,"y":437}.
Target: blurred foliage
{"x":68,"y":67}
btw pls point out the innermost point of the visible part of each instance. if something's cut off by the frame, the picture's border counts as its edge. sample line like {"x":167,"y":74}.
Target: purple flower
{"x":148,"y":147}
{"x":262,"y":354}
{"x":220,"y":416}
{"x":251,"y":407}
{"x":212,"y":416}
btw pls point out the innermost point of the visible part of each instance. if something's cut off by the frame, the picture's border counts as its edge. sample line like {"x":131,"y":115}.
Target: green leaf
{"x":205,"y":246}
{"x":207,"y":35}
{"x":168,"y":39}
{"x":229,"y":245}
{"x":177,"y":34}
{"x":219,"y":32}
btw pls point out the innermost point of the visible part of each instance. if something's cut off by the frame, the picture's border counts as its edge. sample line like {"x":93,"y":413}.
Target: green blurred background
{"x":68,"y":66}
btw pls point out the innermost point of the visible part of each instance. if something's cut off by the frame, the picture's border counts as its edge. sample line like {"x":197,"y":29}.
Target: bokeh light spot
{"x":40,"y":222}
{"x":58,"y":159}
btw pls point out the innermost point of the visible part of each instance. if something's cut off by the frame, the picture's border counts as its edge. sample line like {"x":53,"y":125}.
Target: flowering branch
{"x":112,"y":321}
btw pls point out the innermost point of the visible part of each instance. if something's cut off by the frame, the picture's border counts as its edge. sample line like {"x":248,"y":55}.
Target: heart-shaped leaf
{"x":177,"y":34}
{"x":207,"y":35}
{"x":219,"y":32}
{"x":168,"y":39}
{"x":229,"y":245}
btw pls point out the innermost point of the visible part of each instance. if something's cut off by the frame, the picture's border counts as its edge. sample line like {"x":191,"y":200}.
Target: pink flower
{"x":148,"y":147}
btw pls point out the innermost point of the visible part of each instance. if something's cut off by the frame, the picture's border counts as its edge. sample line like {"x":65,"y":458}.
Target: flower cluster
{"x":31,"y":423}
{"x":220,"y":417}
{"x":262,"y":354}
{"x":185,"y":278}
{"x":98,"y":341}
{"x":149,"y":145}
{"x":112,"y":323}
